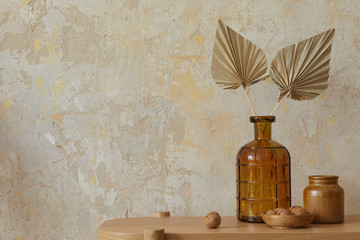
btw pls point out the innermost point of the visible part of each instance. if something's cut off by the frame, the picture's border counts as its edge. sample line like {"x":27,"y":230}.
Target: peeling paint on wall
{"x":108,"y":109}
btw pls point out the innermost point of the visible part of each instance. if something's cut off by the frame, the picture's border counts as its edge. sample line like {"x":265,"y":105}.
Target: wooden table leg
{"x":154,"y":234}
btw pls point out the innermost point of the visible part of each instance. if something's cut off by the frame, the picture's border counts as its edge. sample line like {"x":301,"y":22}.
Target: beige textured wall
{"x":108,"y":109}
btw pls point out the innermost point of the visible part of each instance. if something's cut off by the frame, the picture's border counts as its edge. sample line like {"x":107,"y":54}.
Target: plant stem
{"x":278,"y":104}
{"x":249,"y":99}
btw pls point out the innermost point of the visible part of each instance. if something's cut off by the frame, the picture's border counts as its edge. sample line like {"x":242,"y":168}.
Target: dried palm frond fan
{"x":300,"y":71}
{"x":236,"y":61}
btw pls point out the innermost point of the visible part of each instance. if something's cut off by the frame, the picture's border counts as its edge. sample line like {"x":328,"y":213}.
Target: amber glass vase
{"x":262,"y":173}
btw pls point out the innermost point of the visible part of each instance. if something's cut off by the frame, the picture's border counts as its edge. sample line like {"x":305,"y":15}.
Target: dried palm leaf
{"x":301,"y":70}
{"x":236,"y":61}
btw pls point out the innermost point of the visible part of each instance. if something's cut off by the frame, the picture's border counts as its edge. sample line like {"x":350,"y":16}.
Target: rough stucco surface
{"x":108,"y":109}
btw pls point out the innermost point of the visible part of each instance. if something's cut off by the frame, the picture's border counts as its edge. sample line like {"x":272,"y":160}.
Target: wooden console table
{"x":192,"y":228}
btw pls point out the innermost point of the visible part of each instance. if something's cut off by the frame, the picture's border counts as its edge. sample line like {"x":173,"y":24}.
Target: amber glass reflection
{"x":262,"y":173}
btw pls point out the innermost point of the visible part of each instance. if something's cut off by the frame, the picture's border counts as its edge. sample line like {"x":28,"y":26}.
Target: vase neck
{"x":262,"y":131}
{"x":262,"y":126}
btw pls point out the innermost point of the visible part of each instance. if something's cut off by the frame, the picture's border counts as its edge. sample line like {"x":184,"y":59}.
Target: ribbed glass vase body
{"x":263,"y":173}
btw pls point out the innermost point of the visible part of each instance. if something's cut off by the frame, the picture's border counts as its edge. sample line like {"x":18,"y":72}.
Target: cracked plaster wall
{"x":108,"y":109}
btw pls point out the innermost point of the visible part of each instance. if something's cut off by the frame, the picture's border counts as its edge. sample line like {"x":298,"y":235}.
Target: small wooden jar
{"x":324,"y":198}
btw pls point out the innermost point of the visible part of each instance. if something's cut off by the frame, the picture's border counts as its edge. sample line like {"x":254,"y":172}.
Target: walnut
{"x":286,"y":212}
{"x":212,"y":220}
{"x":296,"y":210}
{"x":299,"y":211}
{"x":279,"y":210}
{"x":271,"y":212}
{"x":294,"y":207}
